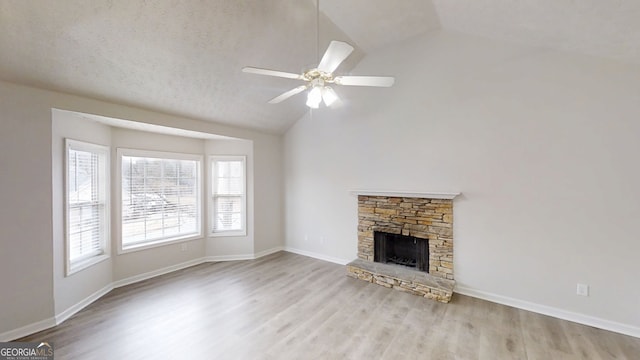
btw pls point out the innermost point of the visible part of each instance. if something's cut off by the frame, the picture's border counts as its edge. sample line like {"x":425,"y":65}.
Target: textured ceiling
{"x":603,"y":28}
{"x":184,"y":57}
{"x":378,"y":23}
{"x":180,"y":57}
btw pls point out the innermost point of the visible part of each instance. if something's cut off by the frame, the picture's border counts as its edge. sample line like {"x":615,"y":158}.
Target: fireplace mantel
{"x":424,"y":195}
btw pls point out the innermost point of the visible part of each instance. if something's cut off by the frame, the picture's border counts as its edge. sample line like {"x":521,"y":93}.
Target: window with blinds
{"x":160,"y":195}
{"x":87,"y":210}
{"x":228,"y":203}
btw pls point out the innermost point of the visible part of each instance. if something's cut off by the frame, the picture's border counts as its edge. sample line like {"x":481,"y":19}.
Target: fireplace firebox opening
{"x":401,"y":250}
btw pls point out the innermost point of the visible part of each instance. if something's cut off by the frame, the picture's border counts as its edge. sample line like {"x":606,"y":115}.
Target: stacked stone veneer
{"x":430,"y":219}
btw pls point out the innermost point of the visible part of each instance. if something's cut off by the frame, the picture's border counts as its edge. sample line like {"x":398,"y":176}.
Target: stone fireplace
{"x":405,"y":241}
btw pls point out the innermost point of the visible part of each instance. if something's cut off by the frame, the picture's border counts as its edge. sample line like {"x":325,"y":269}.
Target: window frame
{"x":212,"y":195}
{"x":163,"y":155}
{"x":104,"y":181}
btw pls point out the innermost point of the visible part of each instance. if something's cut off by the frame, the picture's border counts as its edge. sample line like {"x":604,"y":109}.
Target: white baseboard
{"x":27,"y":330}
{"x":551,"y":311}
{"x":72,"y":310}
{"x":151,"y":274}
{"x":520,"y":304}
{"x":58,"y":319}
{"x":268,"y":252}
{"x":243,"y":256}
{"x":317,"y":256}
{"x":229,"y":257}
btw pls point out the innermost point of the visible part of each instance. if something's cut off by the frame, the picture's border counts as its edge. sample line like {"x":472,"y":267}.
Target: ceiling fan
{"x":320,"y":78}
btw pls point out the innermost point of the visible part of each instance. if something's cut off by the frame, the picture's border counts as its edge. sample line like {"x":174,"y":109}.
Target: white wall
{"x":68,"y":291}
{"x":268,"y":195}
{"x":31,"y":198}
{"x":26,"y":263}
{"x":543,"y":146}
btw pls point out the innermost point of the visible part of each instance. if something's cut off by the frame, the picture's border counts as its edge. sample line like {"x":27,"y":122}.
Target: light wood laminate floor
{"x":287,"y":306}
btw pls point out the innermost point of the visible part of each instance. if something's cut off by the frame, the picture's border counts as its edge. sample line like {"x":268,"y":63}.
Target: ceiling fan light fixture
{"x":316,"y":78}
{"x":314,"y":97}
{"x":329,"y":96}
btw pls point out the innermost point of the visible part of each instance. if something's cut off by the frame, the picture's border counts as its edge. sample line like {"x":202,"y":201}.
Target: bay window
{"x":160,"y":198}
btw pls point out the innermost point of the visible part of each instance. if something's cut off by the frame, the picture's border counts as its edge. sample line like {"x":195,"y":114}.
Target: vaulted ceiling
{"x":185,"y":57}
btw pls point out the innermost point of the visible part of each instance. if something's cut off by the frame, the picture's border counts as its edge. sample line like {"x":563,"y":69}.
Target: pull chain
{"x":318,"y":31}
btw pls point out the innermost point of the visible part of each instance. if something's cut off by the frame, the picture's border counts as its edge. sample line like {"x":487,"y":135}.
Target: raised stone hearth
{"x":403,"y":279}
{"x":423,"y":216}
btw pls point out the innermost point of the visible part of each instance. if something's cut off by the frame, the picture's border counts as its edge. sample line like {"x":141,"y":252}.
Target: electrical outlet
{"x":183,"y":247}
{"x":582,"y":290}
{"x":321,"y":239}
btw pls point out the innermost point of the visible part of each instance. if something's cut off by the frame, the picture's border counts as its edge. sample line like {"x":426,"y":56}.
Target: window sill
{"x":237,"y":233}
{"x":145,"y":246}
{"x":81,"y":265}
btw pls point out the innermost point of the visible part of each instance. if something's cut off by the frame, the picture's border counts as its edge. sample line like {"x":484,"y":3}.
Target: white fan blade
{"x":288,"y":94}
{"x":382,"y":81}
{"x":334,"y":56}
{"x":268,"y":72}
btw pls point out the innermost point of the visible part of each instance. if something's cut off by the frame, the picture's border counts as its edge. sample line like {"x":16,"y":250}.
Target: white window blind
{"x":229,"y":195}
{"x":160,"y":198}
{"x":86,"y":203}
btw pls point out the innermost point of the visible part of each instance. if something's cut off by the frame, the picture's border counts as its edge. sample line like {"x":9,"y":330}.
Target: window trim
{"x":105,"y":152}
{"x":121,"y":249}
{"x":227,"y":233}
